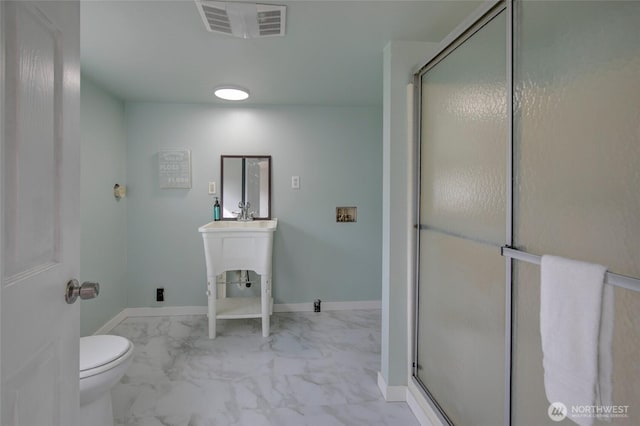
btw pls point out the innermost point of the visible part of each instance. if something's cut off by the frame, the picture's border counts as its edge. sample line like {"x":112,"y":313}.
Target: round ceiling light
{"x":231,"y":93}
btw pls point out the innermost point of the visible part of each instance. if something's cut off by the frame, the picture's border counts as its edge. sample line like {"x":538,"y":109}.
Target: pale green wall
{"x":336,"y":151}
{"x":400,"y":61}
{"x":103,"y":255}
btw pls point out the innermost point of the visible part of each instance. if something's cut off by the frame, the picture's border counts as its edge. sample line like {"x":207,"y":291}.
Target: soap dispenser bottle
{"x":216,"y":210}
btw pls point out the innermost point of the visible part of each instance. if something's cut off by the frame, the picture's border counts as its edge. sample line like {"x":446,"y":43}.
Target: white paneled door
{"x":40,"y":211}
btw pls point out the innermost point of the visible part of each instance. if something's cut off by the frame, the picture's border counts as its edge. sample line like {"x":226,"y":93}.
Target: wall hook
{"x":119,"y":191}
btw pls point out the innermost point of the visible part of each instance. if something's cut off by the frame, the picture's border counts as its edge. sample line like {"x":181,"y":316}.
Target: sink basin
{"x":235,"y":225}
{"x":234,"y":245}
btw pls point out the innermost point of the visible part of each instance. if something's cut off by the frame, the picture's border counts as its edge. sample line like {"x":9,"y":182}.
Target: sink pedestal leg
{"x":211,"y":313}
{"x":265,"y":300}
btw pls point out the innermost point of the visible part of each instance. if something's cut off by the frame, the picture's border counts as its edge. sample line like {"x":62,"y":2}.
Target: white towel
{"x":576,"y":326}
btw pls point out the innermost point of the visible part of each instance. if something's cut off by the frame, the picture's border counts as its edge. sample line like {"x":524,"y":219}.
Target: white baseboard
{"x":421,"y":408}
{"x":110,"y":325}
{"x":293,"y":307}
{"x":328,"y":306}
{"x":351,"y":306}
{"x":202,"y":310}
{"x":391,"y":393}
{"x":162,"y":311}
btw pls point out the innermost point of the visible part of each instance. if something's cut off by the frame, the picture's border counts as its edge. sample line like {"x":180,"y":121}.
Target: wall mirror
{"x":245,"y":178}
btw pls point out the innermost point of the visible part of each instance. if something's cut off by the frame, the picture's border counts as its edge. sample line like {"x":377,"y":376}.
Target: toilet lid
{"x":100,"y":350}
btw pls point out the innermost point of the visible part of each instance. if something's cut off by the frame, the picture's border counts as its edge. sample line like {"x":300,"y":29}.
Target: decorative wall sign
{"x":174,"y":168}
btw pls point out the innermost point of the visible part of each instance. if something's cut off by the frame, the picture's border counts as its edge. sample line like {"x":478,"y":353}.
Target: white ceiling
{"x":331,"y":55}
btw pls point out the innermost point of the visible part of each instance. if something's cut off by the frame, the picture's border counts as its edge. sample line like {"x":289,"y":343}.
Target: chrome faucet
{"x":244,"y":215}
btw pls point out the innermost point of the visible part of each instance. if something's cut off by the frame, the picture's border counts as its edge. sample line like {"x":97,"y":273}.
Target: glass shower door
{"x":461,"y":275}
{"x":577,"y":145}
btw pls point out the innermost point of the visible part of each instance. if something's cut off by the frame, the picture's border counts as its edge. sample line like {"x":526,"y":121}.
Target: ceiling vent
{"x":244,"y":20}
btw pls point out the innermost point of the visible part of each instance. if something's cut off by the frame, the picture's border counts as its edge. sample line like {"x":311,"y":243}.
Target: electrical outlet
{"x":159,"y":294}
{"x":295,"y":182}
{"x":212,"y":188}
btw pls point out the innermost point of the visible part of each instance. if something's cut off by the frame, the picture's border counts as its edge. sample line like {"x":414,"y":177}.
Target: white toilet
{"x":103,"y":361}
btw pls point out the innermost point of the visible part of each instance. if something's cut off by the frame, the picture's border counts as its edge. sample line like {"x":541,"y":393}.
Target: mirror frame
{"x":244,"y":157}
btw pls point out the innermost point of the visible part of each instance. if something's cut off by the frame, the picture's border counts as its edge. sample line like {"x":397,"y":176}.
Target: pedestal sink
{"x":235,"y":245}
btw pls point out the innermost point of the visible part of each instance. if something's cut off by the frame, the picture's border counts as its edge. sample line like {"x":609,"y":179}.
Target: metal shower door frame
{"x":456,"y":38}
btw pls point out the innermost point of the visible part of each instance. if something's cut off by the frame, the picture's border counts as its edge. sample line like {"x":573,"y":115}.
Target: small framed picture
{"x":174,"y":169}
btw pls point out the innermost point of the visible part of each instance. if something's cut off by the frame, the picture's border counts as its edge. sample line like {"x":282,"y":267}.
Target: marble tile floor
{"x":314,"y":369}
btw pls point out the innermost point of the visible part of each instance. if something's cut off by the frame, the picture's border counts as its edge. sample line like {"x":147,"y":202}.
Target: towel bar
{"x":617,"y":280}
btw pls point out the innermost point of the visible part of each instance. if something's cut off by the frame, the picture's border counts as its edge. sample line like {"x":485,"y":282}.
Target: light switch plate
{"x":212,"y":188}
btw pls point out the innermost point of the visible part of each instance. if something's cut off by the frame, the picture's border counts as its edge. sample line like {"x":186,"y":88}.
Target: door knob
{"x":87,"y":290}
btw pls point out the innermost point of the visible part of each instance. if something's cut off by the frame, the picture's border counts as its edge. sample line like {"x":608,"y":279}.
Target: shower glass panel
{"x":461,"y":276}
{"x":577,"y":162}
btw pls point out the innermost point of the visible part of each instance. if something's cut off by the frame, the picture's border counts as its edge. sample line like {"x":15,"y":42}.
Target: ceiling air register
{"x":243,"y":20}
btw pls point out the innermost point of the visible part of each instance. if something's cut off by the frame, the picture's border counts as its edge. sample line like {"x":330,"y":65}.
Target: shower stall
{"x":528,"y":137}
